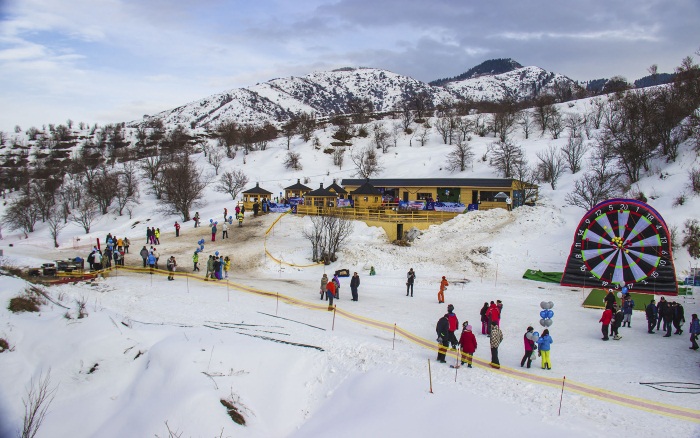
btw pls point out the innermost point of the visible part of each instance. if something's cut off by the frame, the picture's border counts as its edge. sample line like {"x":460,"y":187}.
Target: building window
{"x":424,"y":196}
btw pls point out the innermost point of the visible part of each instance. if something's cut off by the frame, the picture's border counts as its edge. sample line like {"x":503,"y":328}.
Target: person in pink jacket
{"x":468,"y":342}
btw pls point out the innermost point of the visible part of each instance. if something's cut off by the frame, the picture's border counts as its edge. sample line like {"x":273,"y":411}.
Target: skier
{"x":453,"y":325}
{"x":195,"y":260}
{"x":468,"y":343}
{"x":410,"y":279}
{"x":605,"y":319}
{"x":543,"y":344}
{"x":694,"y":331}
{"x":442,"y":329}
{"x":443,"y":286}
{"x":177,"y":229}
{"x":652,"y":315}
{"x":627,"y":308}
{"x":496,"y":339}
{"x":354,"y":284}
{"x":529,"y":348}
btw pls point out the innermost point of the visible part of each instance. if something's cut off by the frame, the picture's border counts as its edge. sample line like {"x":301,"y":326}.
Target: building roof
{"x":321,"y":193}
{"x":336,"y":188}
{"x":298,"y":186}
{"x":257,"y":190}
{"x":433,"y":182}
{"x":367,"y":189}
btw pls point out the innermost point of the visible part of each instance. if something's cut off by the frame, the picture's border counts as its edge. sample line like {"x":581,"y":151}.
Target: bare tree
{"x":505,"y":156}
{"x":183,"y":187}
{"x":597,"y":112}
{"x":380,"y":137}
{"x":544,"y":109}
{"x":85,"y":214}
{"x":293,"y":160}
{"x":550,"y":166}
{"x":327,"y":234}
{"x":40,"y":394}
{"x":395,"y":133}
{"x":503,"y":124}
{"x":216,"y":158}
{"x":573,"y":153}
{"x":127,"y":191}
{"x":103,"y":188}
{"x":315,"y":235}
{"x":525,"y":182}
{"x":21,"y":214}
{"x":575,"y":124}
{"x":232,"y":182}
{"x":460,"y":157}
{"x":406,"y":115}
{"x":289,"y":130}
{"x":56,"y":223}
{"x":339,"y":156}
{"x":424,"y":134}
{"x":526,"y":122}
{"x":556,"y":124}
{"x":366,"y":161}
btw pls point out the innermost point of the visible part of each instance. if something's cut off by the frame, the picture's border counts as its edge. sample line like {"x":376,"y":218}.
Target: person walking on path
{"x":177,"y":229}
{"x":627,"y":308}
{"x":544,"y":344}
{"x":441,"y":293}
{"x":442,"y":329}
{"x":144,"y":256}
{"x":652,"y":315}
{"x":484,"y":319}
{"x":354,"y":284}
{"x":694,"y":331}
{"x":330,"y":293}
{"x":156,"y":235}
{"x":213,"y":232}
{"x":468,"y":342}
{"x":667,"y":315}
{"x":240,"y":217}
{"x":529,"y":347}
{"x":324,"y":282}
{"x":410,"y":279}
{"x":171,"y":265}
{"x":224,"y":230}
{"x":496,"y":339}
{"x":678,"y":318}
{"x":605,"y":319}
{"x":195,"y":260}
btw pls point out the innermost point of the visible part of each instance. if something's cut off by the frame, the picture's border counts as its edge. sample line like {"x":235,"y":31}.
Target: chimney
{"x":321,"y":188}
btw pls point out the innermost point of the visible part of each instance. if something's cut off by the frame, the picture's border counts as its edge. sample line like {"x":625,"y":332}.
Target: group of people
{"x":669,"y":314}
{"x":217,"y":267}
{"x":114,"y":250}
{"x":330,"y":289}
{"x":152,"y":236}
{"x":490,"y":313}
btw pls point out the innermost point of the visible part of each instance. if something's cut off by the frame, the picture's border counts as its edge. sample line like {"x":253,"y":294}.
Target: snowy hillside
{"x":154,"y":355}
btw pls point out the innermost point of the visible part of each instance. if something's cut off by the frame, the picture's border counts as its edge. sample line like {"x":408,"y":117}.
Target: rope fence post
{"x":561,"y":398}
{"x":430,"y":376}
{"x":335,"y":306}
{"x":496,"y":284}
{"x":393,"y":342}
{"x":277,"y":306}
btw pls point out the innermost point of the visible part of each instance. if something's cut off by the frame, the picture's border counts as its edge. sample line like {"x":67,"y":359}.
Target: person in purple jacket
{"x":529,"y":347}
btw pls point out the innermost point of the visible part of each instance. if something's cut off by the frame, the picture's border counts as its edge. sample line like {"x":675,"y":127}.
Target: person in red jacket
{"x":330,"y":293}
{"x":468,"y":343}
{"x":605,"y":319}
{"x":493,"y":314}
{"x":177,"y":229}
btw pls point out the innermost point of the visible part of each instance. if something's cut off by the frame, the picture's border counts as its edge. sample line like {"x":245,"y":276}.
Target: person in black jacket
{"x":678,"y":318}
{"x":652,"y":315}
{"x":617,"y":322}
{"x":610,"y":299}
{"x":410,"y":278}
{"x":354,"y":284}
{"x":443,"y":332}
{"x":660,"y":312}
{"x":667,"y":314}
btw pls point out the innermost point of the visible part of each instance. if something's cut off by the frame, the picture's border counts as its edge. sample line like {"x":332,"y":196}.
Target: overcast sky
{"x":114,"y":60}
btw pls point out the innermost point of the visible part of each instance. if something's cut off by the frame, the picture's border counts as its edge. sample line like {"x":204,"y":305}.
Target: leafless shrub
{"x":293,"y":161}
{"x":694,"y":180}
{"x":366,"y":161}
{"x":573,"y":153}
{"x":81,"y":303}
{"x":232,"y":182}
{"x":551,"y":166}
{"x":40,"y":394}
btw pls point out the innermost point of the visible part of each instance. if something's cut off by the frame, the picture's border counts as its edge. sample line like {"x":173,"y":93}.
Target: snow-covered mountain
{"x":328,"y":93}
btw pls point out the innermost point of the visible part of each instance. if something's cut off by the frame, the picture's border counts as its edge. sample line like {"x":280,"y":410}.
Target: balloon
{"x":201,"y":248}
{"x":216,"y":253}
{"x":230,"y":217}
{"x":536,"y":334}
{"x":551,"y":305}
{"x":543,"y":305}
{"x":624,"y":290}
{"x":543,"y":314}
{"x":543,"y":322}
{"x":550,"y":314}
{"x":535,"y":337}
{"x":622,"y":283}
{"x":528,"y":335}
{"x":548,"y":322}
{"x":619,"y":294}
{"x":211,"y":220}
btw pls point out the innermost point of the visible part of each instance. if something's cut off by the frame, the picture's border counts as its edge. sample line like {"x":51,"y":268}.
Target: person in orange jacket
{"x":443,"y":286}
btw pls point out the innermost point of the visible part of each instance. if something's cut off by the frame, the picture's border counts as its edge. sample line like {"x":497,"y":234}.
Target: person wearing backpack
{"x":453,"y":325}
{"x":442,"y":330}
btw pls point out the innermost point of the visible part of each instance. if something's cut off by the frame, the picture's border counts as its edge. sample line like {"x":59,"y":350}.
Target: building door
{"x":475,"y":196}
{"x":405,"y":196}
{"x":399,"y":231}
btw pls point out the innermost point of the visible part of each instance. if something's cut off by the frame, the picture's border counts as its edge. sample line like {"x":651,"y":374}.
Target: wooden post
{"x":333,"y":326}
{"x":562,"y":394}
{"x":430,"y":375}
{"x":278,"y":303}
{"x":393,"y":342}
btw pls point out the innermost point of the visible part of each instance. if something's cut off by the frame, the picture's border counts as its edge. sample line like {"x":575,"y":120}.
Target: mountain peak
{"x":490,"y":67}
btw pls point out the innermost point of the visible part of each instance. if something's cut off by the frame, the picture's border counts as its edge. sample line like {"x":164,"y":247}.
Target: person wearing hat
{"x":441,"y":293}
{"x":468,"y":342}
{"x":442,"y":330}
{"x":609,"y":299}
{"x":529,"y":347}
{"x":496,"y":339}
{"x":652,"y":315}
{"x":453,"y":325}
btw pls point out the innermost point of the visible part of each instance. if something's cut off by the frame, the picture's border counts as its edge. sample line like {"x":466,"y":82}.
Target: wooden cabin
{"x":366,"y":196}
{"x":257,"y":193}
{"x":297,"y":190}
{"x":320,"y":197}
{"x":341,"y":192}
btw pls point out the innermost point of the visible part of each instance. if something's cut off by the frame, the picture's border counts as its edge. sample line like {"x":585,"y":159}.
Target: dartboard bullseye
{"x":622,"y":242}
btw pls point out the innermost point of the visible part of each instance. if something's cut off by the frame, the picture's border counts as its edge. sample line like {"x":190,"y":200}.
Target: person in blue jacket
{"x":543,"y":346}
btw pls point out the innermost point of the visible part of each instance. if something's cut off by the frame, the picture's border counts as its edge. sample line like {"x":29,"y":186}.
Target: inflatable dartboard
{"x":622,"y":242}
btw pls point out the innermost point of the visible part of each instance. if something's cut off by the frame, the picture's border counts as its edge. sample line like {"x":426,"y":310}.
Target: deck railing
{"x":380,"y":214}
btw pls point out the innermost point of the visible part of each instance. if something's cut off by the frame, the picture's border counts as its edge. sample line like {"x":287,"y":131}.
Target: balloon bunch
{"x":201,"y":246}
{"x":230,"y":220}
{"x":624,"y":290}
{"x":211,"y":222}
{"x":546,"y":314}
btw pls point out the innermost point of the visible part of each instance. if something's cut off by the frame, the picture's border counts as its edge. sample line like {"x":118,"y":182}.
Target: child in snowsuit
{"x":441,"y":293}
{"x":544,"y":343}
{"x":468,"y":343}
{"x":627,"y":307}
{"x":195,"y":260}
